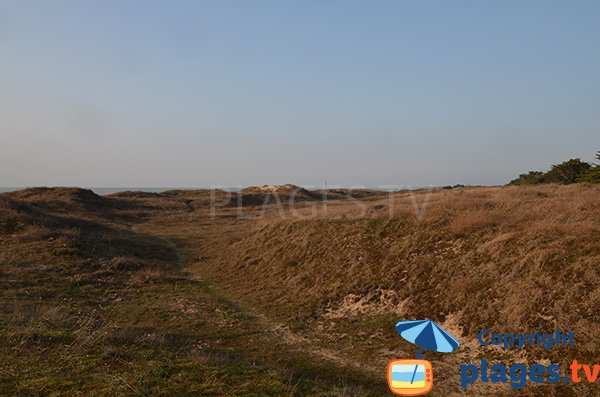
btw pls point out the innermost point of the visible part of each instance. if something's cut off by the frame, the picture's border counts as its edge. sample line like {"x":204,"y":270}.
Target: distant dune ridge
{"x":324,"y":281}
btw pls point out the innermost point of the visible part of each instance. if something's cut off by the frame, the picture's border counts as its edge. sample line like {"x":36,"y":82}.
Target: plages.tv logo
{"x":414,"y":377}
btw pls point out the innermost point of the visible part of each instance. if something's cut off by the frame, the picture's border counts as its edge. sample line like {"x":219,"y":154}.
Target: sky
{"x":353,"y":93}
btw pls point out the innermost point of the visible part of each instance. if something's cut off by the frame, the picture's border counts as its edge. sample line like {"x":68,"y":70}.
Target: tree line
{"x":570,"y":171}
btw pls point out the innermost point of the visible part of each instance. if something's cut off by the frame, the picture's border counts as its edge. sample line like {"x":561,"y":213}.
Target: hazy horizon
{"x":105,"y":190}
{"x":190,"y":93}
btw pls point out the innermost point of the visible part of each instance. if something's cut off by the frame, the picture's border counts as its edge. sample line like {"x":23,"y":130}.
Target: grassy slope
{"x":510,"y":259}
{"x":106,"y":296}
{"x":91,"y":306}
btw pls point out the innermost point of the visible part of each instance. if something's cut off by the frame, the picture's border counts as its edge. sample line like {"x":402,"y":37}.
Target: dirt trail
{"x":199,"y":243}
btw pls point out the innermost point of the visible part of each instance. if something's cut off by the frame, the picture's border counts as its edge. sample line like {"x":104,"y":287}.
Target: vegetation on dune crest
{"x":570,"y":171}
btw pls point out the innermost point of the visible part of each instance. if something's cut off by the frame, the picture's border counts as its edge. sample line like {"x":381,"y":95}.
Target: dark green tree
{"x":570,"y":171}
{"x":530,"y":178}
{"x":567,"y":172}
{"x":593,"y":175}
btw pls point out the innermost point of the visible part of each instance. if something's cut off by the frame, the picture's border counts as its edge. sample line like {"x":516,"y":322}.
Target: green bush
{"x":567,"y":172}
{"x":593,"y":175}
{"x":571,"y":171}
{"x":531,"y":178}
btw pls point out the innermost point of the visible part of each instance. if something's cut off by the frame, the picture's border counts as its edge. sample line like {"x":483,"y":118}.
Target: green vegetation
{"x":92,"y":305}
{"x":567,"y":172}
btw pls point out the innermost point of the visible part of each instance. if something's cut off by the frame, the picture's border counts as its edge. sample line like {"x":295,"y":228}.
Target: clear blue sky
{"x":197,"y":93}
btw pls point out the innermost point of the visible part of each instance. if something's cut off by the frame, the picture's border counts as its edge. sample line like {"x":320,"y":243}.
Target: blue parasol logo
{"x":427,"y":335}
{"x":413,"y":377}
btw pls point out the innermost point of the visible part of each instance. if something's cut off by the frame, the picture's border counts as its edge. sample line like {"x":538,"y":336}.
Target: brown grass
{"x":94,"y":305}
{"x":112,"y":291}
{"x":511,"y":259}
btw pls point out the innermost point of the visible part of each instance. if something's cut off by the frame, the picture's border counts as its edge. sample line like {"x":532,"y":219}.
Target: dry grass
{"x":102,"y":295}
{"x":511,"y":259}
{"x":93,"y":305}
